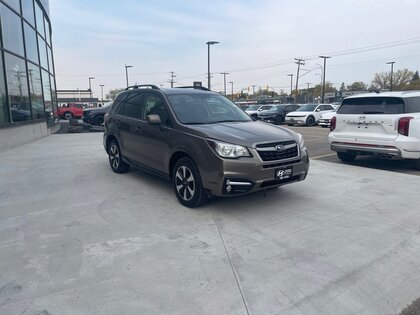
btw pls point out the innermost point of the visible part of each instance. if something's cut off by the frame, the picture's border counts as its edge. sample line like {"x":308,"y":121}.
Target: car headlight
{"x":301,"y":142}
{"x":90,"y":113}
{"x":229,"y":151}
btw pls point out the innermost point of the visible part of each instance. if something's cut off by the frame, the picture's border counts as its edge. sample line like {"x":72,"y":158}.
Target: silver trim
{"x":345,"y":147}
{"x":288,"y":146}
{"x":228,"y":182}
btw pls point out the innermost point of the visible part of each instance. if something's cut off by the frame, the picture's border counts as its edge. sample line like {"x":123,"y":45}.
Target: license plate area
{"x":283,"y":173}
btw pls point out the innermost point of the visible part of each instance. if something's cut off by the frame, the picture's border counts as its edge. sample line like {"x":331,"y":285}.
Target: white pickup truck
{"x":382,"y":124}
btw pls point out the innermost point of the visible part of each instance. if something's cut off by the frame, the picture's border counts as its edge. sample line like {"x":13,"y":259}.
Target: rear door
{"x":369,"y":118}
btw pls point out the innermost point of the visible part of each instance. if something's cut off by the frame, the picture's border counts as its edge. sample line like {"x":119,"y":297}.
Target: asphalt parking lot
{"x":76,"y":238}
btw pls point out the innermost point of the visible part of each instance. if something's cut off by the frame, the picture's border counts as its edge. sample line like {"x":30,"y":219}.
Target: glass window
{"x":28,"y":11}
{"x":35,"y":91}
{"x":30,"y":43}
{"x":413,"y":105}
{"x":54,"y":101}
{"x":155,"y":106}
{"x":4,"y":113}
{"x":13,"y":4}
{"x":47,"y":31}
{"x":133,"y":106}
{"x":372,"y":105}
{"x":12,"y":30}
{"x":39,"y":19}
{"x":17,"y":84}
{"x":46,"y":88}
{"x":43,"y":52}
{"x":50,"y":61}
{"x":119,"y":102}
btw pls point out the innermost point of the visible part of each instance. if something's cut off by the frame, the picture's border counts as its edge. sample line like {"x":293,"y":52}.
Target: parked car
{"x":70,"y":111}
{"x":277,"y":113}
{"x":201,"y":141}
{"x":325,"y":119}
{"x":254,"y":110}
{"x":382,"y":124}
{"x":95,"y":116}
{"x":308,"y":114}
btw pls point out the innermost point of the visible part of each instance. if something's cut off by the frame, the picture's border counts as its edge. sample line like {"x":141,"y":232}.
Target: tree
{"x":357,"y":86}
{"x":416,"y":76}
{"x":400,"y":80}
{"x":342,"y":87}
{"x":113,"y":93}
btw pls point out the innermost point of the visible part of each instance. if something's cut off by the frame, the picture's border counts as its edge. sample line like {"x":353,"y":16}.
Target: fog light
{"x":229,"y":188}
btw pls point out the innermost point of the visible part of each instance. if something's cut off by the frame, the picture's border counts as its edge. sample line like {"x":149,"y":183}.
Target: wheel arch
{"x":175,"y":157}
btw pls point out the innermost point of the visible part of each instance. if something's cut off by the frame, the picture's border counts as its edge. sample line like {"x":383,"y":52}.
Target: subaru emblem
{"x":279,"y":148}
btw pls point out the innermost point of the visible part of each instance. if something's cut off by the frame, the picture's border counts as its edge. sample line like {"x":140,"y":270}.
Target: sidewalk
{"x":75,"y":238}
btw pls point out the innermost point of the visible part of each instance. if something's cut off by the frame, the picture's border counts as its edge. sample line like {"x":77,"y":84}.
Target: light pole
{"x":320,"y":84}
{"x":307,"y":93}
{"x":323,"y":78}
{"x":102,"y":91}
{"x":90,"y":88}
{"x":208,"y":62}
{"x":224,"y":79}
{"x":291,"y":83}
{"x":231,"y":88}
{"x":392,"y":70}
{"x":126,"y":73}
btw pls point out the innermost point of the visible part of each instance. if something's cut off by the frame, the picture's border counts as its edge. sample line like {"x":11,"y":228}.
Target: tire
{"x":187,"y":184}
{"x":417,"y":165}
{"x":98,"y":120}
{"x":279,"y":120}
{"x":68,"y":115}
{"x":346,"y":157}
{"x":325,"y":126}
{"x":115,"y":158}
{"x":290,"y":124}
{"x":310,"y":121}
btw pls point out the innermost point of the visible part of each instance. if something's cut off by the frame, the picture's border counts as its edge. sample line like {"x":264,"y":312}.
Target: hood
{"x":244,"y":133}
{"x":328,"y":115}
{"x":97,"y":109}
{"x":301,"y":113}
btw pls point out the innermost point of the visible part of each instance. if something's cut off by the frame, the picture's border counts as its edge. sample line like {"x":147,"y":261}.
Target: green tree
{"x":400,"y":80}
{"x":357,"y":86}
{"x":112,"y":94}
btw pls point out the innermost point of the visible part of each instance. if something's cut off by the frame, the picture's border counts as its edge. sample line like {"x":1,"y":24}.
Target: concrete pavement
{"x":75,"y":238}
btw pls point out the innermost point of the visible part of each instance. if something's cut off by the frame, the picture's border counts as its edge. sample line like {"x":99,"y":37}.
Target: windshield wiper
{"x":196,"y":123}
{"x":227,"y":120}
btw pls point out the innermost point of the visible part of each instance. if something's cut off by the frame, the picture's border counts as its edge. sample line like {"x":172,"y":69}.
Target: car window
{"x":307,"y":108}
{"x":154,"y":105}
{"x":372,"y":105}
{"x":413,"y":104}
{"x":133,"y":107}
{"x":205,"y":109}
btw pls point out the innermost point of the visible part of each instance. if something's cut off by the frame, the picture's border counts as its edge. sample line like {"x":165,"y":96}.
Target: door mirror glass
{"x":153,"y":119}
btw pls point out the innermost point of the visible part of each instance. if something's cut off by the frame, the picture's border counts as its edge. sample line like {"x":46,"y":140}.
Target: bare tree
{"x":400,"y":80}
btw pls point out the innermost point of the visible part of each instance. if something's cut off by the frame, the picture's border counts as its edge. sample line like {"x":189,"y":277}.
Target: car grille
{"x":268,"y":152}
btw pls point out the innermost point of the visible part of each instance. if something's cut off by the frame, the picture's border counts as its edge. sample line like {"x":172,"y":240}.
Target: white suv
{"x":383,"y":124}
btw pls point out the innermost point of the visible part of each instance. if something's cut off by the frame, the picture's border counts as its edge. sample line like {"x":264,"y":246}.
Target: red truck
{"x":71,"y":111}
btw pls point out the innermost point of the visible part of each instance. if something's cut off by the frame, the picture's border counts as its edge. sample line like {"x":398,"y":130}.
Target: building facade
{"x":28,"y":100}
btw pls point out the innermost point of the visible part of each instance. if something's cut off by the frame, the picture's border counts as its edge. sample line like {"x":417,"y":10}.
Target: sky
{"x":258,"y":41}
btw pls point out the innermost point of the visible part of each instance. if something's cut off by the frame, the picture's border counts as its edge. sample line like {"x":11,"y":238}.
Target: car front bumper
{"x":248,"y":175}
{"x":295,"y":120}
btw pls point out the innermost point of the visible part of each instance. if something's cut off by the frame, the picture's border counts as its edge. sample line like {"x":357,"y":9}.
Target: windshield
{"x":107,"y":104}
{"x":307,"y":108}
{"x":274,"y":109}
{"x":372,"y":105}
{"x":205,"y":109}
{"x":253,"y":107}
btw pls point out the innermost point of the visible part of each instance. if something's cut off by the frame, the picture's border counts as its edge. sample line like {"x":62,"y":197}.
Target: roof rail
{"x":193,"y":87}
{"x":150,"y":86}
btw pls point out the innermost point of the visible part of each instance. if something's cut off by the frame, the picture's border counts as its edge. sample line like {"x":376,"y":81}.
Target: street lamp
{"x":291,"y":83}
{"x":392,"y":70}
{"x":323,"y":78}
{"x":208,"y":62}
{"x":90,"y":88}
{"x":102,"y":91}
{"x":126,"y":73}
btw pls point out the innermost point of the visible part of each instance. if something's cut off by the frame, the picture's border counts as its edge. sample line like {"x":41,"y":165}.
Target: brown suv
{"x":201,"y":141}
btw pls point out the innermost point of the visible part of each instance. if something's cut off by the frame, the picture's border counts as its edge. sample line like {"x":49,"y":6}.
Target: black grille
{"x":274,"y":155}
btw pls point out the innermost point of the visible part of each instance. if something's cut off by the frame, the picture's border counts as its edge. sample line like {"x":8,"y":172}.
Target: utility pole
{"x":224,"y":79}
{"x":172,"y":79}
{"x":209,"y":43}
{"x":392,"y":70}
{"x":126,"y":73}
{"x":291,"y":83}
{"x":323,"y":78}
{"x":231,"y":88}
{"x":299,"y":62}
{"x":90,"y":89}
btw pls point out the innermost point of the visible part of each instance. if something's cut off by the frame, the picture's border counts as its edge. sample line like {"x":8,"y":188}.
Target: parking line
{"x":321,"y":156}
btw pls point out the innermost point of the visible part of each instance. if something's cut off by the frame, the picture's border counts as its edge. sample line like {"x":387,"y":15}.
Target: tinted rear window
{"x":372,"y":105}
{"x":413,"y":105}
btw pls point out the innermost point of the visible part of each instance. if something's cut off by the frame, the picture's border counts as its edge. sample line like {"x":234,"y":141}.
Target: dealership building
{"x":28,"y":100}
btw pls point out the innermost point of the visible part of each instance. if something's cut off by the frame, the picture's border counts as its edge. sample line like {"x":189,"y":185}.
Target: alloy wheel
{"x":185,"y":183}
{"x":114,"y":156}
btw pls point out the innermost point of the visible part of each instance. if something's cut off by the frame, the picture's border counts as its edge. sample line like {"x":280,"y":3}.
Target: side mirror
{"x":318,"y":110}
{"x":153,"y":119}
